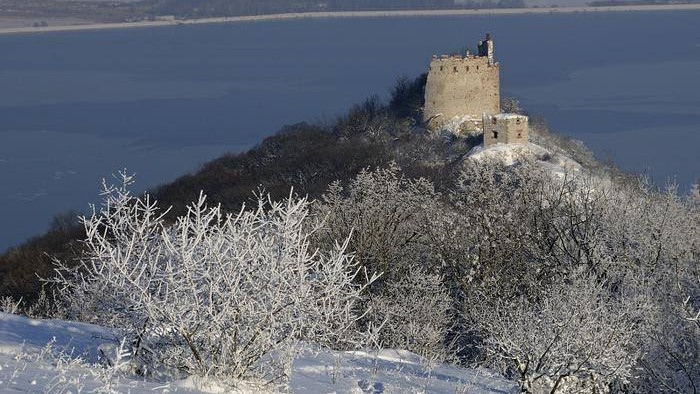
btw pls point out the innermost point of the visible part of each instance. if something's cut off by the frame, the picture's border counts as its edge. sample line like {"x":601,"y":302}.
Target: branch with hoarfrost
{"x":387,"y":213}
{"x":577,"y":335}
{"x":416,"y":313}
{"x":10,"y":305}
{"x":214,"y":294}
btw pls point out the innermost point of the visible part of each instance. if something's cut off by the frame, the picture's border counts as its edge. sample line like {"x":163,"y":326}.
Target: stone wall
{"x":459,"y":86}
{"x":505,"y":128}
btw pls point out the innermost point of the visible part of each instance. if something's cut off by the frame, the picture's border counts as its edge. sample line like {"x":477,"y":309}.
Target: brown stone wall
{"x":505,"y":129}
{"x":459,"y":86}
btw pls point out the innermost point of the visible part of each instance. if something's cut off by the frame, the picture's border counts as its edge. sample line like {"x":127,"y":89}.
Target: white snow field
{"x":55,"y":356}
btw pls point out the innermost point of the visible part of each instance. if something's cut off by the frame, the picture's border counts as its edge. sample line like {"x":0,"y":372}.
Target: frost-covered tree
{"x":416,"y":314}
{"x":388,"y":218}
{"x":511,"y":105}
{"x":528,"y":231}
{"x":672,"y":350}
{"x":485,"y":239}
{"x":214,"y":294}
{"x":657,"y":234}
{"x":385,"y":215}
{"x":577,"y":335}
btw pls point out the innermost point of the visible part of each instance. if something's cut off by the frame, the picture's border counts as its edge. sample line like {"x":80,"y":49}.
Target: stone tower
{"x":505,"y":129}
{"x":463,"y":86}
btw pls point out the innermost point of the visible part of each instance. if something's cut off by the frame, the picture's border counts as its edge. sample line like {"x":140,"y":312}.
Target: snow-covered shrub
{"x":656,"y":235}
{"x":388,"y":219}
{"x":576,"y":150}
{"x":487,"y":237}
{"x":117,"y":363}
{"x":384,"y":214}
{"x":59,"y":368}
{"x":213,"y":294}
{"x":72,"y":371}
{"x":46,"y":305}
{"x":42,"y":307}
{"x":525,"y":232}
{"x":416,"y":312}
{"x":673,"y":348}
{"x":577,"y":335}
{"x":10,"y":305}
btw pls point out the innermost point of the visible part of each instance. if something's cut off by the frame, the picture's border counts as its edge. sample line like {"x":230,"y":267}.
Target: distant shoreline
{"x":345,"y":14}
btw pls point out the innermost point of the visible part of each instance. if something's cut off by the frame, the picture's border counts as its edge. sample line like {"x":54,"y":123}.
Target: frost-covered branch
{"x":213,"y":294}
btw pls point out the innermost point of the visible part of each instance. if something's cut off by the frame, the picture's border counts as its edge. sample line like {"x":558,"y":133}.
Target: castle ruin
{"x":505,"y":128}
{"x":466,"y":88}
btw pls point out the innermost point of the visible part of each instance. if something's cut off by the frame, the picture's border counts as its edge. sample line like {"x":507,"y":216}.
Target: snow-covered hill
{"x":54,"y":356}
{"x":512,"y":153}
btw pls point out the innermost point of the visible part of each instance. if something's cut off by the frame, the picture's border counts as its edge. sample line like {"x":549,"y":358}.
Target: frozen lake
{"x":75,"y":107}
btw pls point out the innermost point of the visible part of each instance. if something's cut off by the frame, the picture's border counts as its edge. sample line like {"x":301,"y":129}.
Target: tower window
{"x":455,"y":69}
{"x":495,"y":135}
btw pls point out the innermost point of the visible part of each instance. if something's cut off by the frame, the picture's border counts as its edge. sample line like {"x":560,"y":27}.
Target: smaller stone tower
{"x":505,"y":128}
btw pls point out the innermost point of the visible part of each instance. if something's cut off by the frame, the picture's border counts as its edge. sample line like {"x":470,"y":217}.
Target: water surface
{"x":75,"y":107}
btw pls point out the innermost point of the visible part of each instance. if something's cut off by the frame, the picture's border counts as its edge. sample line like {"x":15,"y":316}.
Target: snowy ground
{"x":54,"y":356}
{"x":512,"y":153}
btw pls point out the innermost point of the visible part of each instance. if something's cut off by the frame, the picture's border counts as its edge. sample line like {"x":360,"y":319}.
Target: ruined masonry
{"x":466,"y":88}
{"x":504,"y":128}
